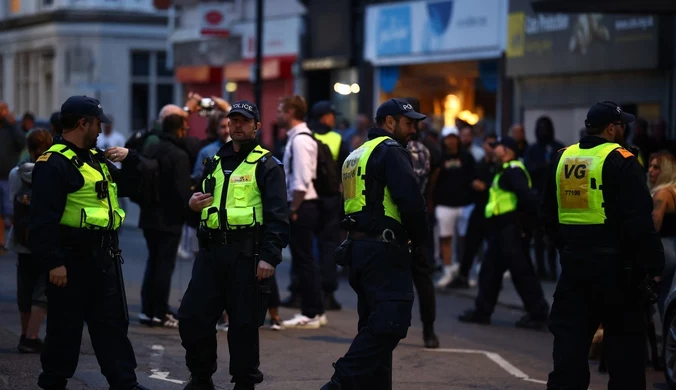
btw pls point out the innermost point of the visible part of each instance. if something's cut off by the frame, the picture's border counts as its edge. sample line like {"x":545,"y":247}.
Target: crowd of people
{"x":455,"y":167}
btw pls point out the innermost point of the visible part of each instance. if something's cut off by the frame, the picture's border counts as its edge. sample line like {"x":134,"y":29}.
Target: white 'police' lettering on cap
{"x":244,"y":106}
{"x":619,"y":110}
{"x":407,"y":107}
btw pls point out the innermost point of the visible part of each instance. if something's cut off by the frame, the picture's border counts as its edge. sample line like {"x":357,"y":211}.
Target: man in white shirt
{"x":300,"y":168}
{"x":109,"y":138}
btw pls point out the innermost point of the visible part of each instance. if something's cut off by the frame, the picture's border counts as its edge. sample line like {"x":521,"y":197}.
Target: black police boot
{"x":531,"y":322}
{"x":292,"y":301}
{"x":139,"y":387}
{"x":200,"y":384}
{"x":330,"y":302}
{"x":474,"y":317}
{"x":333,"y":384}
{"x":430,"y":338}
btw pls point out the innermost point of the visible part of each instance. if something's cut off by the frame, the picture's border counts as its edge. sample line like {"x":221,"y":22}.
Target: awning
{"x":272,"y":68}
{"x":606,"y":6}
{"x":198,"y":74}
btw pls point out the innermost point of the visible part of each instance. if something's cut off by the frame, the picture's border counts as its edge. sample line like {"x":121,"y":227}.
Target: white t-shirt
{"x":108,"y":141}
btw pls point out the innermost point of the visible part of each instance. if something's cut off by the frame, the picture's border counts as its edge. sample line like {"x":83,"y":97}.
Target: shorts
{"x":452,"y":221}
{"x":31,"y":284}
{"x":6,"y":206}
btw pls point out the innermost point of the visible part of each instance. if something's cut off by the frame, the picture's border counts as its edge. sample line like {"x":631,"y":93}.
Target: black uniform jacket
{"x":53,"y":179}
{"x":628,"y":229}
{"x":391,"y":164}
{"x":274,"y":235}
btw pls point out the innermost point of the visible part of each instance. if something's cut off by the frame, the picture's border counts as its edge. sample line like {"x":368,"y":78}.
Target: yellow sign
{"x":349,"y":174}
{"x":516,"y":35}
{"x":574,"y":182}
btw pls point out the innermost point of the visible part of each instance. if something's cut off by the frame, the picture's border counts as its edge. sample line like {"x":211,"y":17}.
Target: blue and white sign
{"x":435,"y":30}
{"x":394,"y":31}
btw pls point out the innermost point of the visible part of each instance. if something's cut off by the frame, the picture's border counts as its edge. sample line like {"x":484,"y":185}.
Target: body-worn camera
{"x":206,"y":106}
{"x":102,"y":189}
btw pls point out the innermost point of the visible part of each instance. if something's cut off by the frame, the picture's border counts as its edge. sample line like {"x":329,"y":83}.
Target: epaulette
{"x":625,"y":153}
{"x":45,"y":156}
{"x":391,"y":142}
{"x":277,"y":160}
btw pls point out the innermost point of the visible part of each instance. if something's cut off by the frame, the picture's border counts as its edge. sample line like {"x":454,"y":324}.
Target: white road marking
{"x":499,"y":360}
{"x":156,"y":364}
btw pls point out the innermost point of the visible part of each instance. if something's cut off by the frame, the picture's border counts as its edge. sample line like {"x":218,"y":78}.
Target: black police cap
{"x":246,"y":108}
{"x":397,"y":106}
{"x":605,"y":113}
{"x":85,"y":106}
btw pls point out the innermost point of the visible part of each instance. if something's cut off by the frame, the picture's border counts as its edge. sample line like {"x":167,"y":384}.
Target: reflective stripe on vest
{"x":500,"y":201}
{"x":354,"y":185}
{"x":243,"y":204}
{"x":333,"y":140}
{"x":84,"y":209}
{"x":579,"y":179}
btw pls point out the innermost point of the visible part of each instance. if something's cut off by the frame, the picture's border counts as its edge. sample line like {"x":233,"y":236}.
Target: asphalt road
{"x":471,"y":356}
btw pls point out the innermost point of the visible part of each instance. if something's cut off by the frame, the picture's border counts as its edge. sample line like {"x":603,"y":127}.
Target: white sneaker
{"x":300,"y":321}
{"x":222,"y":326}
{"x":444,"y":280}
{"x":323,"y":320}
{"x":455,"y":270}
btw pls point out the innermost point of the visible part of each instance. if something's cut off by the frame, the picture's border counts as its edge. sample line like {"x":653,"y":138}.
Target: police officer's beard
{"x":619,"y":138}
{"x":399,"y":136}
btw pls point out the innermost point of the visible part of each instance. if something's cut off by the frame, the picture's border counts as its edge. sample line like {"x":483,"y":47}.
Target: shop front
{"x":280,"y":51}
{"x":448,"y":54}
{"x":564,"y":63}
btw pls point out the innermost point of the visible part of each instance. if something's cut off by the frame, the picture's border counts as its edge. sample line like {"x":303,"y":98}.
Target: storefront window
{"x":449,"y":91}
{"x":346,"y":92}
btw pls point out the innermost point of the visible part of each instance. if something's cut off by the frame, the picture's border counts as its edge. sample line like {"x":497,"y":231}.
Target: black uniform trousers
{"x":303,"y":264}
{"x":380,"y":274}
{"x":223,"y":278}
{"x":594,"y":289}
{"x":506,"y":252}
{"x":543,"y":245}
{"x":92,"y":295}
{"x":162,"y":247}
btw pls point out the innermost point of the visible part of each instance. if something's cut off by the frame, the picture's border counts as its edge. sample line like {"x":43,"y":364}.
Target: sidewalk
{"x":508,"y":298}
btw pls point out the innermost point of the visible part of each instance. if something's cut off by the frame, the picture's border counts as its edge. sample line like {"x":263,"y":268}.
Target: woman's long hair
{"x":667,"y":176}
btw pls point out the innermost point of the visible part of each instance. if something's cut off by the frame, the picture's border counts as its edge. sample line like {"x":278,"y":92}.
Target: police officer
{"x":74,"y":218}
{"x":510,"y":205}
{"x":323,"y":121}
{"x":384,"y":210}
{"x":244,"y":226}
{"x":597,"y":209}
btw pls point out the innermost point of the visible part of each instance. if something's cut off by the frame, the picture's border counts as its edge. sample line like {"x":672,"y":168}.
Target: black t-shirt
{"x":454,"y":183}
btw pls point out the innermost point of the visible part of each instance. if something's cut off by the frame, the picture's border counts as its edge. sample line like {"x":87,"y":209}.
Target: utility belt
{"x":343,"y":254}
{"x":212,"y":238}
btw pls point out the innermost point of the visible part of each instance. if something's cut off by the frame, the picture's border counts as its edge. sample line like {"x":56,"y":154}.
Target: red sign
{"x":213,"y":17}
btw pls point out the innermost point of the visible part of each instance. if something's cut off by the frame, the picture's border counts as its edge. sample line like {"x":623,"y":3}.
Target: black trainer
{"x":460,"y":282}
{"x":30,"y":345}
{"x":474,"y":317}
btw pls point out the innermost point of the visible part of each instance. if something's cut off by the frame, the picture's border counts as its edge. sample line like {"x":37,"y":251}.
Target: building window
{"x":152,"y":87}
